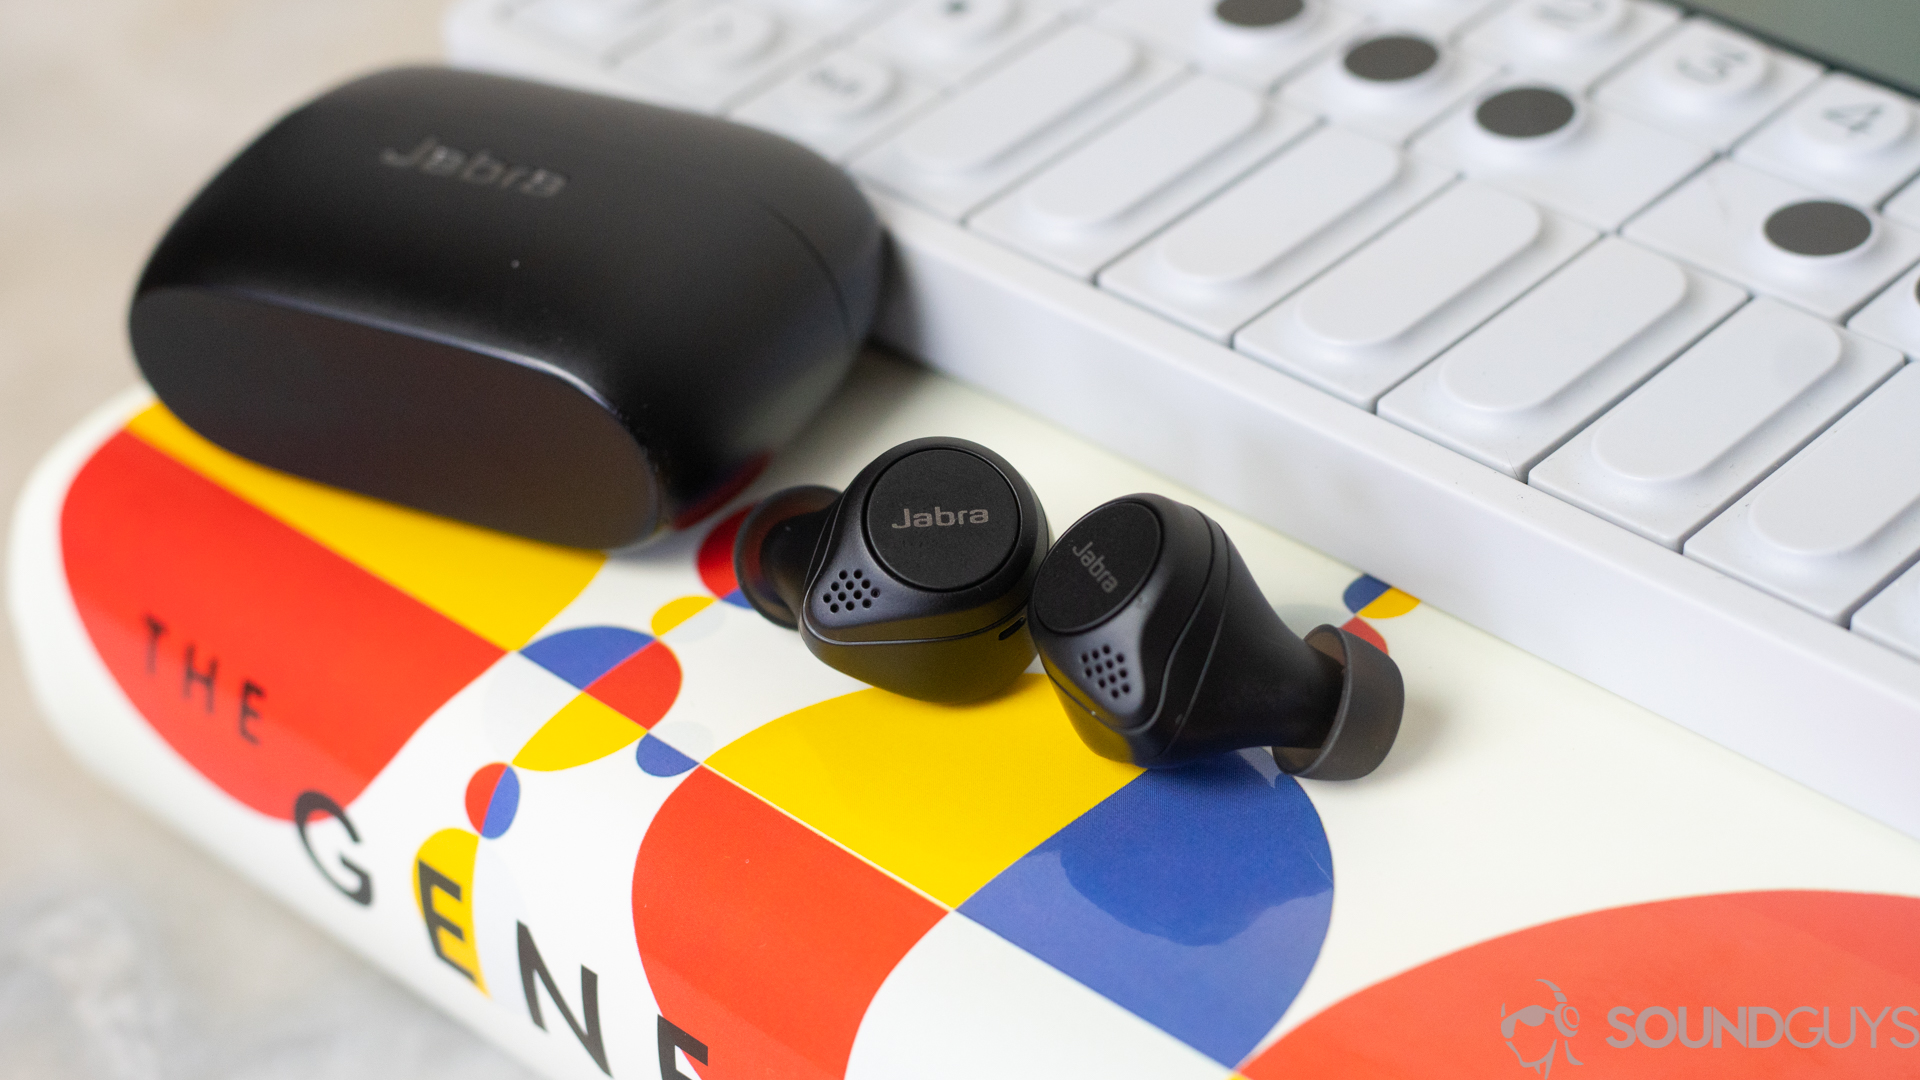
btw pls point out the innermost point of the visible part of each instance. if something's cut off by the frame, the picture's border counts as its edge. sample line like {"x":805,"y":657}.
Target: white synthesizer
{"x":1584,"y":320}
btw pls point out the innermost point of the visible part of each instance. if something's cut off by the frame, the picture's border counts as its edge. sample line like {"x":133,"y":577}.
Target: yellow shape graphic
{"x":1389,"y":604}
{"x":443,"y":894}
{"x":942,"y":796}
{"x":674,"y":612}
{"x":583,"y":730}
{"x":503,"y":588}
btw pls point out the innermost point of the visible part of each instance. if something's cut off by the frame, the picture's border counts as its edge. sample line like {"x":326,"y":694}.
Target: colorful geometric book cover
{"x":605,"y":813}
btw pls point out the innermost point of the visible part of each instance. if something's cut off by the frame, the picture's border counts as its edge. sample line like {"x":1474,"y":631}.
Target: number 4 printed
{"x":1858,"y":119}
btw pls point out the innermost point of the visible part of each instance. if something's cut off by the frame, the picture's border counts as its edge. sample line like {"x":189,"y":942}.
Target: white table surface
{"x":125,"y":952}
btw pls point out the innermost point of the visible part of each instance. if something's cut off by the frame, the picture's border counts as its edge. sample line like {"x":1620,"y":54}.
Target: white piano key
{"x":1393,"y":305}
{"x":998,"y":116}
{"x":1273,"y":230}
{"x":1846,"y":137}
{"x":1572,"y":42}
{"x":1103,"y":198}
{"x":1769,"y":234}
{"x":1251,"y":42}
{"x":1714,"y":421}
{"x":1136,"y":158}
{"x":1837,"y":522}
{"x":1892,"y":617}
{"x":592,"y":28}
{"x":947,"y":41}
{"x":834,"y":17}
{"x":961,"y":21}
{"x":1519,"y":386}
{"x":837,"y":104}
{"x":971,"y":147}
{"x":1894,"y":315}
{"x":717,"y":56}
{"x":1441,"y":18}
{"x":1388,"y":82}
{"x":1905,"y":207}
{"x":1537,"y":140}
{"x":1707,"y":83}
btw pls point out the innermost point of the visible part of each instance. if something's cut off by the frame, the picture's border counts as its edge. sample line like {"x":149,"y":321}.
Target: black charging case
{"x":563,"y":315}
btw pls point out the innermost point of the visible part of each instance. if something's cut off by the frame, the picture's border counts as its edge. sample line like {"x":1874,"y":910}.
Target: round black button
{"x":1818,"y":227}
{"x":1393,"y":58}
{"x":942,"y":519}
{"x":1526,"y":112}
{"x":1255,"y":14}
{"x":1096,"y":568}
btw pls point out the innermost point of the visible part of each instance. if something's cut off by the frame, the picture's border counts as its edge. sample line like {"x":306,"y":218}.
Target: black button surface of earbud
{"x":1163,"y":650}
{"x":914,"y":579}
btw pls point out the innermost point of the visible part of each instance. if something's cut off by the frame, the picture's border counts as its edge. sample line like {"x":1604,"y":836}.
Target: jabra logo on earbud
{"x":435,"y":159}
{"x":1096,"y":565}
{"x":939,"y":518}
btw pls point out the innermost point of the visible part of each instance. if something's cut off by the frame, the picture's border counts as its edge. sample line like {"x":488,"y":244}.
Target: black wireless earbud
{"x":1163,"y":650}
{"x":915,"y":579}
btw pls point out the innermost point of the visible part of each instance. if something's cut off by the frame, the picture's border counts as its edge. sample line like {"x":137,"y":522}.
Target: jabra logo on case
{"x":436,"y":159}
{"x":1096,"y":565}
{"x":939,"y":518}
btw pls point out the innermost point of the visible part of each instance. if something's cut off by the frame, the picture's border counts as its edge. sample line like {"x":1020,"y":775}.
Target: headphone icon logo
{"x":1566,"y":1022}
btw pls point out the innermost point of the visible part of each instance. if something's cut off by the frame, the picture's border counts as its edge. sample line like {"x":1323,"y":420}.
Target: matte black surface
{"x":1258,"y":13}
{"x":564,"y":315}
{"x":942,"y":519}
{"x":1198,"y":663}
{"x":1818,"y":227}
{"x":1392,"y":58}
{"x":811,"y":556}
{"x":1372,"y":699}
{"x":775,"y":546}
{"x":1097,"y":567}
{"x":520,"y":441}
{"x":1525,"y":112}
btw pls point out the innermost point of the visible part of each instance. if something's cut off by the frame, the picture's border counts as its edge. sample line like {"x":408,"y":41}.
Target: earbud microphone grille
{"x":849,"y":588}
{"x":1107,"y":671}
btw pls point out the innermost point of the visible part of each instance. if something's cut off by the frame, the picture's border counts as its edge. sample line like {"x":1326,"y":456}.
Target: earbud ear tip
{"x":760,"y":569}
{"x":1372,"y":697}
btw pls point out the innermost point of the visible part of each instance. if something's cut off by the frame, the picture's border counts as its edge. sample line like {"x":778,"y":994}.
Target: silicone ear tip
{"x":1372,"y":698}
{"x":751,"y":569}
